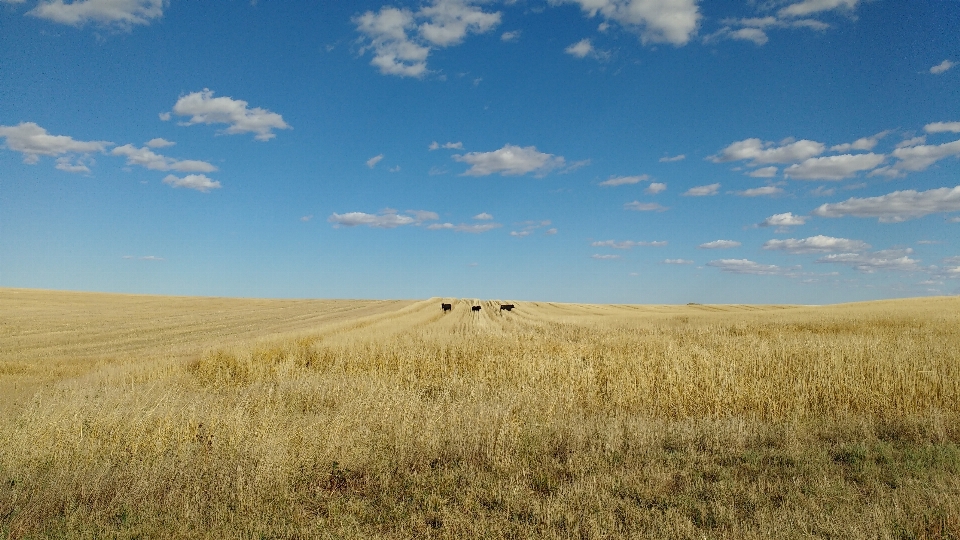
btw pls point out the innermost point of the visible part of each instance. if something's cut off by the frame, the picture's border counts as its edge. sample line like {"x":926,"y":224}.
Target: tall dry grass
{"x":554,"y":421}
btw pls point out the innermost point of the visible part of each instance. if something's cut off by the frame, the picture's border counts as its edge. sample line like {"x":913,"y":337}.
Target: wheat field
{"x":134,"y":416}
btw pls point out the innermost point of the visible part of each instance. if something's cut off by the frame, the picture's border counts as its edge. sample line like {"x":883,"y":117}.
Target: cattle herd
{"x":449,"y":307}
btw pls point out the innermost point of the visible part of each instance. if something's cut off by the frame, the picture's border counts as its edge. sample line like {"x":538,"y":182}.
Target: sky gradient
{"x":614,"y":151}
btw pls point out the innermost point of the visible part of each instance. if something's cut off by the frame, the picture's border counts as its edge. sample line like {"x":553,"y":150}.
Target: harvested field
{"x":181,"y":417}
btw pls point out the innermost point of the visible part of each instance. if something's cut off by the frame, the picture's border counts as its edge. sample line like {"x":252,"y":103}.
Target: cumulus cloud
{"x":865,"y":143}
{"x":808,"y":7}
{"x":401,"y":39}
{"x":580,"y":49}
{"x":388,"y":218}
{"x":483,"y":216}
{"x":67,"y":165}
{"x":638,"y":206}
{"x":159,"y":143}
{"x":755,"y":29}
{"x":746,"y":266}
{"x":203,"y":108}
{"x":757,"y":151}
{"x":677,"y":261}
{"x":529,"y":227}
{"x":783,"y":220}
{"x":33,"y":141}
{"x":765,"y":191}
{"x":119,"y":13}
{"x":510,"y":161}
{"x":942,"y":67}
{"x":549,"y":232}
{"x":834,"y":167}
{"x":446,"y":146}
{"x":658,"y":21}
{"x":915,"y":141}
{"x":702,"y":191}
{"x":624,"y":180}
{"x":672,"y":159}
{"x":475,"y":228}
{"x":628,"y":244}
{"x":893,"y":259}
{"x":720,"y":244}
{"x":144,"y":157}
{"x":510,"y":36}
{"x":656,"y":187}
{"x":604,"y":257}
{"x":198,"y":182}
{"x":372,"y":162}
{"x":897,"y":206}
{"x":942,"y":127}
{"x":816,"y":244}
{"x":764,"y":172}
{"x":918,"y":158}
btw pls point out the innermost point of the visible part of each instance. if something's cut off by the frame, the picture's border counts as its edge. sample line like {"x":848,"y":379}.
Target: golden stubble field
{"x":138,"y":416}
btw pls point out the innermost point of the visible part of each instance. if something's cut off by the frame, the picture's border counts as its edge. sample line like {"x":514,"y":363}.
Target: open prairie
{"x":138,"y":416}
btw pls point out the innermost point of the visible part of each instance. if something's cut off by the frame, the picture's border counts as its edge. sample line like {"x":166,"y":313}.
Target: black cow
{"x":508,"y":307}
{"x":446,"y":307}
{"x":475,"y":308}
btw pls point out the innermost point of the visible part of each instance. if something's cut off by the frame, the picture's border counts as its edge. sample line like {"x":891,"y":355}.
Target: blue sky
{"x":636,"y":151}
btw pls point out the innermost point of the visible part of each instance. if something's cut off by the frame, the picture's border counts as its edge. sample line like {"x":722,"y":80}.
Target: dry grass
{"x":555,"y":420}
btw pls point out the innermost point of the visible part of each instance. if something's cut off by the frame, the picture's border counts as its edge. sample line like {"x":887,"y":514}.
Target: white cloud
{"x":764,"y":191}
{"x":510,"y":36}
{"x":918,"y":158}
{"x":783,"y":220}
{"x":720,"y":244}
{"x":628,"y":244}
{"x":203,"y":108}
{"x":449,"y":21}
{"x":33,"y":141}
{"x":604,"y":257}
{"x":865,"y":143}
{"x":483,"y":216}
{"x":443,"y":23}
{"x":807,"y":7}
{"x":638,"y":206}
{"x":386,"y":219}
{"x":529,"y":227}
{"x":306,"y":218}
{"x":144,"y":157}
{"x":915,"y":141}
{"x":65,"y":164}
{"x":475,"y":228}
{"x":767,"y":152}
{"x":198,"y":182}
{"x":159,"y":143}
{"x":580,"y":49}
{"x":510,"y":161}
{"x":834,"y":167}
{"x":702,"y":191}
{"x":869,"y":263}
{"x":658,"y":21}
{"x":624,"y":180}
{"x":897,"y":206}
{"x":447,"y":146}
{"x":656,"y":187}
{"x":372,"y":162}
{"x":120,"y":13}
{"x":816,"y":244}
{"x":677,"y":261}
{"x":942,"y":127}
{"x":756,"y":35}
{"x":550,"y":231}
{"x":942,"y":66}
{"x":765,"y":172}
{"x":745,"y":266}
{"x":672,"y":159}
